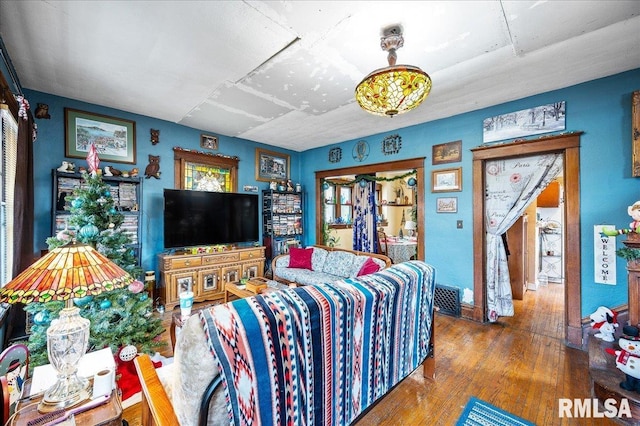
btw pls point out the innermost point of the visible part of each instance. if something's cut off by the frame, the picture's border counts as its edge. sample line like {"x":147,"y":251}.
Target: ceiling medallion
{"x":391,"y":144}
{"x":335,"y":155}
{"x":395,"y":89}
{"x":360,"y":150}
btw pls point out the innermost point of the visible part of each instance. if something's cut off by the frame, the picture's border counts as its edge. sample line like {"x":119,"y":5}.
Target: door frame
{"x":569,"y":146}
{"x":416,"y":164}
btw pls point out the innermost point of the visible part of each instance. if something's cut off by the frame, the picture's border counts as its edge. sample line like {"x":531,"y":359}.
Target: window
{"x":205,"y":172}
{"x":338,"y":207}
{"x":7,"y":181}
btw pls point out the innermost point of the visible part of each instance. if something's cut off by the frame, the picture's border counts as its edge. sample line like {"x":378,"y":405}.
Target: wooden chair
{"x":382,"y":242}
{"x":14,"y":371}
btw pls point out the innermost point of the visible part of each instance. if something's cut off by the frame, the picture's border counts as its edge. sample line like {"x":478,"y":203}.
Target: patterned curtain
{"x":364,"y":216}
{"x":511,"y":185}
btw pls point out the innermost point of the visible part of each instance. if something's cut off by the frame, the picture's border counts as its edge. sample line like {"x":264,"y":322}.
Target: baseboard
{"x":466,"y":311}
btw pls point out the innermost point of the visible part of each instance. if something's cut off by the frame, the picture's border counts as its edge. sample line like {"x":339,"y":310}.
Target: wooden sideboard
{"x":206,"y":274}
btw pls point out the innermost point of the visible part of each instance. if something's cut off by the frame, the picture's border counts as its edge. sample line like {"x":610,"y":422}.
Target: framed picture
{"x":209,"y":142}
{"x":271,"y":165}
{"x":450,"y":152}
{"x":447,"y":205}
{"x":114,"y":138}
{"x":526,"y":122}
{"x":448,"y":180}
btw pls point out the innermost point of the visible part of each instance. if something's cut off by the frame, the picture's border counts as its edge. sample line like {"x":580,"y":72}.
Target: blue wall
{"x":49,"y":153}
{"x":600,"y":108}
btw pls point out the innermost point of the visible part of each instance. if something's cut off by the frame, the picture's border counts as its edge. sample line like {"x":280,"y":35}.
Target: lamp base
{"x":65,"y":393}
{"x":67,"y":340}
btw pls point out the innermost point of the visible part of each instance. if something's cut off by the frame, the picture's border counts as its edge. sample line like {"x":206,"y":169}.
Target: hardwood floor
{"x":519,"y":364}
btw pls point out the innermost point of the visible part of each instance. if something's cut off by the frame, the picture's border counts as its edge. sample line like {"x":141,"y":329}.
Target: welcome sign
{"x":604,"y":256}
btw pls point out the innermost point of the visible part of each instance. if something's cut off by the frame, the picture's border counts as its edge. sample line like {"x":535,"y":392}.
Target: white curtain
{"x":364,"y":214}
{"x":511,"y":185}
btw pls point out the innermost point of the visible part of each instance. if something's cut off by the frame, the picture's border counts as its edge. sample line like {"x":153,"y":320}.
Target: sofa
{"x":311,"y":355}
{"x":326,"y":264}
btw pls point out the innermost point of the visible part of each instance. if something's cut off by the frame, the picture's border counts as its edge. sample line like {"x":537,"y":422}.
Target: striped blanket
{"x":320,"y":355}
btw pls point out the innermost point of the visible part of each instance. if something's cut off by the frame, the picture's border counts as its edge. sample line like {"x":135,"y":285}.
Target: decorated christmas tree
{"x":120,"y":317}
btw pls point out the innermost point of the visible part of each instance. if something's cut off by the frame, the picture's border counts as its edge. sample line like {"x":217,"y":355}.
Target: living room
{"x":600,"y":108}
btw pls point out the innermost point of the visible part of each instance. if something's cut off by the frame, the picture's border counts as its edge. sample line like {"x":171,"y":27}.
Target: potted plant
{"x":329,"y":239}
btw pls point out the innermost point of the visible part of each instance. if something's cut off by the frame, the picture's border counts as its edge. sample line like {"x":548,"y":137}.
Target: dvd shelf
{"x":125,"y":191}
{"x":282,"y":221}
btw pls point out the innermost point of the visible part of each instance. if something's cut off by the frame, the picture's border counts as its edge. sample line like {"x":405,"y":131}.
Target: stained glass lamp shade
{"x":67,"y":272}
{"x":395,"y":89}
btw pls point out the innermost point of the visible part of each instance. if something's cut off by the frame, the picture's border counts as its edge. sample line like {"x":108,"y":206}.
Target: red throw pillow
{"x":369,"y":267}
{"x":300,"y":258}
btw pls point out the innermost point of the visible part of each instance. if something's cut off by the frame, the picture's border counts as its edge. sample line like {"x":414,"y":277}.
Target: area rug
{"x":478,"y":412}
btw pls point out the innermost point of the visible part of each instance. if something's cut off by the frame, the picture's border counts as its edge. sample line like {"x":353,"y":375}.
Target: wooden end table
{"x":237,"y":290}
{"x":108,"y":414}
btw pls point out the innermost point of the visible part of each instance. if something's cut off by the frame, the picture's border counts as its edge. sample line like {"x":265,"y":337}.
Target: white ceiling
{"x":284,"y":72}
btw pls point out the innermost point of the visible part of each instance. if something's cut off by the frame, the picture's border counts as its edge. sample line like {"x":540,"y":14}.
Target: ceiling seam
{"x":506,"y":25}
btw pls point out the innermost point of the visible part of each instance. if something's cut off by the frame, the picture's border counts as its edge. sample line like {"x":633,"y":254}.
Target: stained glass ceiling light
{"x":395,"y":89}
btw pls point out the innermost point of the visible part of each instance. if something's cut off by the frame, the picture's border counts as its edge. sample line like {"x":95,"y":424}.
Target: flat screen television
{"x":193,"y":218}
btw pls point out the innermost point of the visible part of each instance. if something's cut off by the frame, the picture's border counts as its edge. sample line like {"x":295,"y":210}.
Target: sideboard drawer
{"x":186,"y":262}
{"x":251,"y":254}
{"x":221,"y":258}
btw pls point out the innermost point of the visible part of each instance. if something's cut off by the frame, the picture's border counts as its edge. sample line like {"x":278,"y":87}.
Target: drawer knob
{"x":187,"y":262}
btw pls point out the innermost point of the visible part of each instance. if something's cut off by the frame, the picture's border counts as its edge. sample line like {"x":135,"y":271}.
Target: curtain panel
{"x":364,"y":215}
{"x":511,"y":185}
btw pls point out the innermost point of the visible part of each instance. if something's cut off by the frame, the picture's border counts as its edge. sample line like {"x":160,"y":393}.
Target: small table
{"x":237,"y":290}
{"x":401,"y":250}
{"x":108,"y":414}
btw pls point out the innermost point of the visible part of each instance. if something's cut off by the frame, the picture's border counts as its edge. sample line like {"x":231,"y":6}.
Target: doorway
{"x":416,"y":164}
{"x":569,"y":146}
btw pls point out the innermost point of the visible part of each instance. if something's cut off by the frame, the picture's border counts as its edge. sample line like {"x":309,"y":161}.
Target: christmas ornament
{"x":64,"y":235}
{"x":128,"y":353}
{"x":101,"y":200}
{"x":105,"y":304}
{"x":107,"y":193}
{"x":143,"y":297}
{"x":412,"y":182}
{"x":41,"y":318}
{"x":113,"y":210}
{"x":76,"y":203}
{"x":363,"y":183}
{"x":82,"y":301}
{"x":136,"y":286}
{"x":89,"y":230}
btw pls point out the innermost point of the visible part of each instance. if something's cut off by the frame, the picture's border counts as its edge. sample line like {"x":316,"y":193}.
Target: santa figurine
{"x":605,"y":321}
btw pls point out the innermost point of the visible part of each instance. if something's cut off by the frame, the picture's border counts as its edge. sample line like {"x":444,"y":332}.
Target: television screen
{"x":193,"y":218}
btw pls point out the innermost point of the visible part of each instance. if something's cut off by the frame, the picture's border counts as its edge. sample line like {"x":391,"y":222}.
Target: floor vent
{"x":447,"y":299}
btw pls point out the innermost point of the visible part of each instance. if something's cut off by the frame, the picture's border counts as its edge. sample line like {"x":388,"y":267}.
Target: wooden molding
{"x":569,"y":145}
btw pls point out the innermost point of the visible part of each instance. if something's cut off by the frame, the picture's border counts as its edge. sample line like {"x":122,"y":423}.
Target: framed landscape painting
{"x":271,"y":166}
{"x":450,"y":152}
{"x":114,"y":138}
{"x":526,"y":122}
